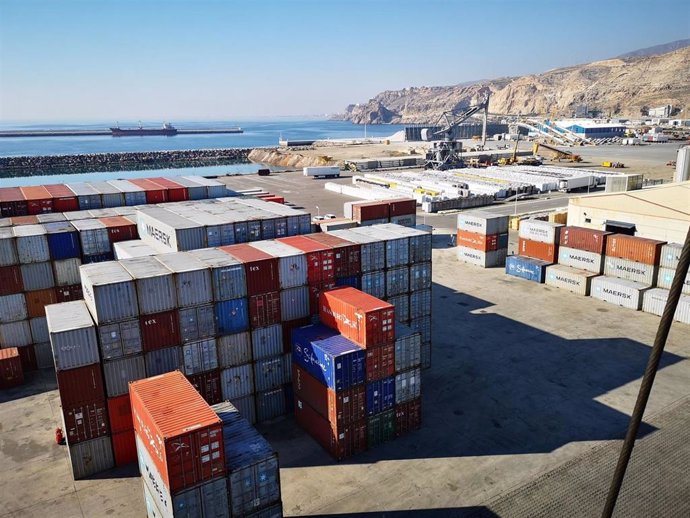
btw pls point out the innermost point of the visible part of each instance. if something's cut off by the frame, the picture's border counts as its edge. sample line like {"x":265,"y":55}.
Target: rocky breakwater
{"x":61,"y":164}
{"x":291,"y":158}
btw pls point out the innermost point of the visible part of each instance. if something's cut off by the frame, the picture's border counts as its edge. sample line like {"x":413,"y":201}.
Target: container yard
{"x":235,"y":321}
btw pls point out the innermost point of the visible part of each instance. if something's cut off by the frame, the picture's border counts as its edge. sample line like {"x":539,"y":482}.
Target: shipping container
{"x":168,"y":231}
{"x":587,"y":239}
{"x":109,"y":292}
{"x":270,"y":404}
{"x":68,"y":293}
{"x":11,"y":280}
{"x":270,"y":373}
{"x":634,"y":248}
{"x":397,"y":246}
{"x":542,"y":231}
{"x":13,"y":308}
{"x":420,"y":303}
{"x":98,"y":258}
{"x":402,"y":307}
{"x":264,"y":309}
{"x":362,"y":318}
{"x":110,"y":196}
{"x":16,"y":334}
{"x":64,"y":199}
{"x":63,"y":240}
{"x":319,"y":258}
{"x":175,"y":190}
{"x":164,"y":360}
{"x":261,"y":269}
{"x":39,"y":330}
{"x":423,"y":326}
{"x":408,"y":416}
{"x":237,"y":382}
{"x":119,"y":372}
{"x":407,"y":348}
{"x":292,"y":262}
{"x":154,"y":282}
{"x":120,"y":228}
{"x":120,"y":414}
{"x":87,"y":196}
{"x":618,"y":291}
{"x":289,"y":325}
{"x":67,"y":272}
{"x":120,"y":339}
{"x":178,"y":429}
{"x":397,"y":281}
{"x":85,"y":421}
{"x":408,"y":385}
{"x":665,"y":279}
{"x":72,"y":335}
{"x":134,"y":195}
{"x":93,"y":236}
{"x":37,"y":276}
{"x":51,"y":218}
{"x":214,"y":188}
{"x":481,"y":242}
{"x":124,"y":448}
{"x":568,"y":278}
{"x":11,"y":372}
{"x":192,"y":278}
{"x":654,"y":302}
{"x":346,"y":254}
{"x":91,"y":457}
{"x":12,"y":202}
{"x":44,"y":356}
{"x":631,"y":270}
{"x":200,"y":356}
{"x":197,"y":323}
{"x":526,"y":268}
{"x":538,"y":250}
{"x":331,"y":358}
{"x":374,"y":283}
{"x":8,"y":248}
{"x":38,"y":199}
{"x":134,"y":248}
{"x":247,"y":407}
{"x":483,"y":259}
{"x":235,"y":349}
{"x":32,"y":244}
{"x":372,"y":250}
{"x":232,"y":316}
{"x":227,"y":273}
{"x":27,"y":355}
{"x":581,"y":259}
{"x":380,"y":428}
{"x":80,"y":385}
{"x":160,"y":330}
{"x":670,"y":255}
{"x":195,"y":191}
{"x":154,"y":193}
{"x":482,"y":222}
{"x":380,"y":362}
{"x":267,"y":342}
{"x":208,"y":385}
{"x":295,"y":303}
{"x":380,"y":395}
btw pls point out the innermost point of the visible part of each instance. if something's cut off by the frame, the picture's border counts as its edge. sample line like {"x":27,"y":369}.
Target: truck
{"x":322,"y":171}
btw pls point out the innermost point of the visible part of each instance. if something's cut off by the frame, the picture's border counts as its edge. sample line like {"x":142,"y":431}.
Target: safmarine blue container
{"x":63,"y":240}
{"x":380,"y":395}
{"x":526,"y":268}
{"x":354,"y":281}
{"x":331,"y":358}
{"x":232,"y":316}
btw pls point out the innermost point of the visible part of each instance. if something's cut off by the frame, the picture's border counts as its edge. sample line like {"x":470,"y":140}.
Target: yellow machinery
{"x":615,"y":165}
{"x":554,"y":153}
{"x":512,"y":159}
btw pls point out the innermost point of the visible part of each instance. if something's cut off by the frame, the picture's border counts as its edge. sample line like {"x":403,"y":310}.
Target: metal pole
{"x":648,"y":378}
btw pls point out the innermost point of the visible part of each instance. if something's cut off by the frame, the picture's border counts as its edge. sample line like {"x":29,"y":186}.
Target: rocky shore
{"x":288,"y":158}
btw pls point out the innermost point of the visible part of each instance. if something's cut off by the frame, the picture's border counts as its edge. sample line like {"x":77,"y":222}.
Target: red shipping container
{"x":342,"y":442}
{"x":208,"y":385}
{"x":264,"y":309}
{"x":315,"y":295}
{"x":477,"y":241}
{"x":120,"y":229}
{"x":24,"y":220}
{"x":11,"y":372}
{"x":260,"y":268}
{"x":69,"y":293}
{"x":160,"y":330}
{"x":120,"y":414}
{"x":402,"y":207}
{"x":364,"y":319}
{"x":154,"y":192}
{"x":183,"y":435}
{"x":176,"y":192}
{"x":12,"y":202}
{"x":36,"y":301}
{"x":587,"y":239}
{"x":80,"y":385}
{"x":11,"y":280}
{"x":124,"y":448}
{"x":319,"y":258}
{"x":346,"y":255}
{"x":64,"y":200}
{"x":640,"y":249}
{"x":85,"y":421}
{"x":340,"y":408}
{"x":369,"y":210}
{"x":288,"y":326}
{"x":275,"y":199}
{"x":27,"y":354}
{"x":535,"y":249}
{"x":380,"y":362}
{"x":38,"y":199}
{"x":408,"y":416}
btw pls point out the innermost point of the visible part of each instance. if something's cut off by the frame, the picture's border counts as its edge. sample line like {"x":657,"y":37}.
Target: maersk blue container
{"x":63,"y":240}
{"x":97,"y":258}
{"x":232,"y":316}
{"x":331,"y":358}
{"x":380,"y":395}
{"x":526,"y":268}
{"x":354,"y":281}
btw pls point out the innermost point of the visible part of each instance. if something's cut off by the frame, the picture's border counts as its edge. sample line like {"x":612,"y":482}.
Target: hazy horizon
{"x":177,"y":60}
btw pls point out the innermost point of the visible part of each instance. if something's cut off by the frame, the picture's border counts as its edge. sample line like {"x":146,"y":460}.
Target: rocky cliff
{"x":615,"y":87}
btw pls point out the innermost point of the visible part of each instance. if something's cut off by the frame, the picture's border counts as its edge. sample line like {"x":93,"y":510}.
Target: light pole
{"x":318,"y":212}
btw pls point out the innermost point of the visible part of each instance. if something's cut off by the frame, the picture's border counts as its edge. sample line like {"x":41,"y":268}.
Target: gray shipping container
{"x":423,"y":326}
{"x":294,"y":303}
{"x":374,"y":283}
{"x":292,"y":263}
{"x":408,"y":385}
{"x":407,"y":348}
{"x":191,"y":276}
{"x":227,"y":274}
{"x":270,"y":404}
{"x":134,"y":195}
{"x":654,"y":302}
{"x":200,"y":356}
{"x":483,"y":259}
{"x":630,"y":270}
{"x":15,"y":334}
{"x":197,"y":323}
{"x":581,"y":259}
{"x":406,"y":220}
{"x":72,"y":335}
{"x":402,"y":307}
{"x":481,"y":222}
{"x":37,"y":276}
{"x":234,"y":350}
{"x":420,"y":276}
{"x":87,"y":196}
{"x":267,"y":342}
{"x":154,"y":282}
{"x":665,"y":279}
{"x":372,"y":254}
{"x":39,"y":330}
{"x":67,"y":271}
{"x":109,"y":292}
{"x":44,"y":356}
{"x":53,"y":217}
{"x":397,"y":246}
{"x":237,"y":382}
{"x":163,"y":360}
{"x":420,"y":241}
{"x":618,"y":291}
{"x":8,"y":247}
{"x":670,"y":255}
{"x":420,"y":303}
{"x":168,"y":231}
{"x":397,"y":281}
{"x":120,"y":339}
{"x":93,"y":235}
{"x":32,"y":244}
{"x":118,"y":373}
{"x":90,"y":457}
{"x":195,"y":190}
{"x":247,"y":407}
{"x":214,"y":189}
{"x":13,"y":308}
{"x":269,"y":373}
{"x":110,"y":196}
{"x":571,"y":279}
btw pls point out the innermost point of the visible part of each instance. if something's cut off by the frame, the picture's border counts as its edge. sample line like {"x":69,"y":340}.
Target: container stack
{"x":631,"y":267}
{"x":400,"y":211}
{"x":537,"y":249}
{"x":11,"y":372}
{"x":654,"y":300}
{"x":580,"y":259}
{"x":80,"y":384}
{"x":482,"y":238}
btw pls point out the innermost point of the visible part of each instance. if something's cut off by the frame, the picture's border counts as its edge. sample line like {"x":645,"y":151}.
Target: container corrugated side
{"x":542,"y":231}
{"x":13,"y":308}
{"x":118,"y":373}
{"x":670,"y":255}
{"x":228,"y":275}
{"x":109,"y":292}
{"x":581,"y":259}
{"x":420,"y":303}
{"x":37,"y":276}
{"x":634,"y":248}
{"x":232,"y":316}
{"x":665,"y":279}
{"x":374,"y":283}
{"x":267,"y":342}
{"x":154,"y":283}
{"x":631,"y":270}
{"x":39,"y":330}
{"x":483,"y":259}
{"x":402,"y":307}
{"x":234,"y":350}
{"x":420,"y":276}
{"x":163,"y":360}
{"x":420,"y":241}
{"x":526,"y":268}
{"x":44,"y":356}
{"x":197,"y":323}
{"x":618,"y":291}
{"x":423,"y":326}
{"x":237,"y":382}
{"x":407,"y":348}
{"x":587,"y":239}
{"x":200,"y":356}
{"x":380,"y":395}
{"x":292,"y":263}
{"x":294,"y":303}
{"x":654,"y":302}
{"x":72,"y":335}
{"x":168,"y":231}
{"x":372,"y":250}
{"x":91,"y":457}
{"x":32,"y":244}
{"x":568,"y":278}
{"x":247,"y":407}
{"x":208,"y":385}
{"x":191,"y":276}
{"x":397,"y":281}
{"x":93,"y":236}
{"x":269,"y":373}
{"x":67,"y":272}
{"x":8,"y":248}
{"x":120,"y":339}
{"x":482,"y":222}
{"x":270,"y":404}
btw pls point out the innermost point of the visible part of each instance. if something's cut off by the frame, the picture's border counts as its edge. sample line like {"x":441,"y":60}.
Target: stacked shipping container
{"x":400,"y":211}
{"x":654,"y":300}
{"x":537,"y":249}
{"x":482,"y":238}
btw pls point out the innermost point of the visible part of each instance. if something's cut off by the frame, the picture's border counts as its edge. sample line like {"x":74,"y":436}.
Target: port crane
{"x":446,"y":153}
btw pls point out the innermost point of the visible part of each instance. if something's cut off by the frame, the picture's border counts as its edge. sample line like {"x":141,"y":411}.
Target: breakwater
{"x":15,"y":166}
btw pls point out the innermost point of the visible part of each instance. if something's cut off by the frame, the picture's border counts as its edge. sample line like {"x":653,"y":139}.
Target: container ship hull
{"x":143,"y":132}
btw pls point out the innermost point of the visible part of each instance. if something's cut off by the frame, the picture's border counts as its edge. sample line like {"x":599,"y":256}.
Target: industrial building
{"x":591,"y":129}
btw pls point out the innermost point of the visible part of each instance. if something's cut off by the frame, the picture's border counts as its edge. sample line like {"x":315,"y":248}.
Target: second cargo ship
{"x":167,"y":130}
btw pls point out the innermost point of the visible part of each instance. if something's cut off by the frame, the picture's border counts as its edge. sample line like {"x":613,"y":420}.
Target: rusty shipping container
{"x":588,"y":239}
{"x":538,"y":250}
{"x":634,"y":248}
{"x":368,"y":210}
{"x":85,"y":421}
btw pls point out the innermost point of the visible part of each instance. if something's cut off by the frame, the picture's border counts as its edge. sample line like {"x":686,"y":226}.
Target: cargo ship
{"x":167,"y":130}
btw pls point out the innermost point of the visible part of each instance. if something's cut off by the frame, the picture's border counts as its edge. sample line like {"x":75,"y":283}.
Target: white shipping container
{"x":90,"y":457}
{"x":408,"y":345}
{"x":134,"y":195}
{"x":397,"y":246}
{"x":214,"y":189}
{"x":322,"y":171}
{"x":542,"y":231}
{"x":39,"y":330}
{"x":8,"y":247}
{"x":13,"y":308}
{"x":118,"y":373}
{"x":568,"y":278}
{"x":408,"y":385}
{"x":581,"y":259}
{"x":110,"y":196}
{"x":630,"y":270}
{"x":670,"y":255}
{"x":237,"y":382}
{"x":44,"y":355}
{"x":168,"y":231}
{"x":32,"y":244}
{"x":86,"y":195}
{"x":267,"y":342}
{"x":665,"y":279}
{"x":200,"y":356}
{"x":197,"y":323}
{"x":483,"y":259}
{"x":67,"y":271}
{"x":618,"y":291}
{"x":481,"y":222}
{"x":402,"y":307}
{"x":134,"y":248}
{"x":234,"y":350}
{"x":374,"y":283}
{"x":292,"y":263}
{"x":72,"y":335}
{"x":191,"y":276}
{"x":37,"y":276}
{"x":154,"y":284}
{"x":120,"y":339}
{"x":195,"y":190}
{"x":93,"y":235}
{"x":654,"y":302}
{"x":294,"y":303}
{"x":109,"y":292}
{"x":397,"y":281}
{"x":15,"y":334}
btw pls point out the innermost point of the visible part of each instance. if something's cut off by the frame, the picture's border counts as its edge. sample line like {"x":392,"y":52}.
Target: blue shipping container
{"x":98,"y":258}
{"x":331,"y":358}
{"x":63,"y":240}
{"x":353,"y":281}
{"x":526,"y":268}
{"x":380,"y":395}
{"x":232,"y":316}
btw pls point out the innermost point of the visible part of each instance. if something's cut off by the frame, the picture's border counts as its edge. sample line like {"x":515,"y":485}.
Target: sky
{"x":108,"y":60}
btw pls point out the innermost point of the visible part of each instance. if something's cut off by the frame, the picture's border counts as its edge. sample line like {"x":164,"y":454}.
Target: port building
{"x":592,"y":129}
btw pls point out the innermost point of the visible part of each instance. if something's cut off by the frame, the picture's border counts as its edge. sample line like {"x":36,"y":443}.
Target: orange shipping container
{"x":36,"y":301}
{"x":475,"y":241}
{"x":181,"y":432}
{"x":536,"y":250}
{"x":634,"y":248}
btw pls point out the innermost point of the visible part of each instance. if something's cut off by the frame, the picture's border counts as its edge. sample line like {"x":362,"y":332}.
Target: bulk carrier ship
{"x":167,"y":130}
